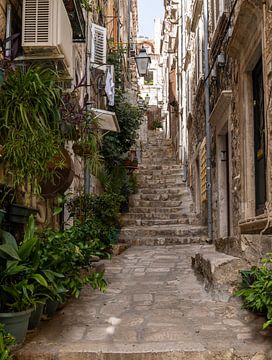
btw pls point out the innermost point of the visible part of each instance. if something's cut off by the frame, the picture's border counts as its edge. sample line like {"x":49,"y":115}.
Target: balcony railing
{"x":75,"y":13}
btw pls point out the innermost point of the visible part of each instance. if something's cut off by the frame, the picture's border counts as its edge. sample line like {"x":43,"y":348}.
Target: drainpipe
{"x":128,"y":40}
{"x":118,"y":23}
{"x":87,"y":175}
{"x":8,"y":31}
{"x":207,"y":119}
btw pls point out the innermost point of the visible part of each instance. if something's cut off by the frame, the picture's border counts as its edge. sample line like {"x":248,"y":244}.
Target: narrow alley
{"x":154,"y":309}
{"x":155,"y":306}
{"x":135,"y":179}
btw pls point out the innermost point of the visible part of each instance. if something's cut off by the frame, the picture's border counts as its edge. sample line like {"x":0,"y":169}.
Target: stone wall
{"x":2,"y":18}
{"x":251,"y":25}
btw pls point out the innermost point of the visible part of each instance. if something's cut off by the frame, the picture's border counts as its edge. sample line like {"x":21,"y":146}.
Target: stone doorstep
{"x":218,"y":270}
{"x":148,"y":355}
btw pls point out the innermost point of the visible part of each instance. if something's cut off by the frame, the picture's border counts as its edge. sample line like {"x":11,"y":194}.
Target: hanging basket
{"x":62,"y":178}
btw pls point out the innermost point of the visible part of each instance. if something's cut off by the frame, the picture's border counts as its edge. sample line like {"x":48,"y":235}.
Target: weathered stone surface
{"x":161,"y":212}
{"x":219,"y":271}
{"x":161,"y":316}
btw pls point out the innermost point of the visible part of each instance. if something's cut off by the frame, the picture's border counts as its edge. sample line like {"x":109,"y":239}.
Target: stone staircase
{"x":161,"y":213}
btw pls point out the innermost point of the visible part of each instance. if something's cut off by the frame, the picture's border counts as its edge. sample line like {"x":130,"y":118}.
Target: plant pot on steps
{"x":2,"y":215}
{"x":19,"y":214}
{"x":16,"y":323}
{"x":50,"y":308}
{"x":35,"y":317}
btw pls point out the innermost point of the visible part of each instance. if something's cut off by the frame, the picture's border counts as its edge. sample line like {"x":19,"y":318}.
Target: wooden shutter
{"x":203,"y":171}
{"x":98,"y":44}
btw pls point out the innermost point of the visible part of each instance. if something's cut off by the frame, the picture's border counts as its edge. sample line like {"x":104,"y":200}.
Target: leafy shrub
{"x":65,"y":253}
{"x":6,"y":342}
{"x":256,"y":289}
{"x":104,"y":208}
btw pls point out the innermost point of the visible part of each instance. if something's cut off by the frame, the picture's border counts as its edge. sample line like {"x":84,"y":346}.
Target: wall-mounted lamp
{"x":221,"y":60}
{"x":147,"y":99}
{"x":142,"y":62}
{"x":224,"y":155}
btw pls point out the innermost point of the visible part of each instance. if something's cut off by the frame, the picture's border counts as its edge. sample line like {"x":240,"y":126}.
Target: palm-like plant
{"x":29,"y":123}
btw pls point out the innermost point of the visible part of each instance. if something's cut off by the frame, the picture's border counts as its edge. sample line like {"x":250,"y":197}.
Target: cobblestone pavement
{"x":154,"y":306}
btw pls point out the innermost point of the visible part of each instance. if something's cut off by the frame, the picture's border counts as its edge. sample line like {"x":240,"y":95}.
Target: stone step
{"x":160,"y":172}
{"x":182,"y":196}
{"x":164,"y":240}
{"x":218,"y":271}
{"x":174,"y":211}
{"x":189,"y":353}
{"x":158,"y":216}
{"x":152,"y":166}
{"x":158,"y":190}
{"x":152,"y":176}
{"x":159,"y":231}
{"x":135,"y":221}
{"x":160,"y":183}
{"x":161,"y":203}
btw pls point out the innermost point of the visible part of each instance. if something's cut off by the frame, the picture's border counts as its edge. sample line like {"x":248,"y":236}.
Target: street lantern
{"x":142,"y":61}
{"x":147,"y":99}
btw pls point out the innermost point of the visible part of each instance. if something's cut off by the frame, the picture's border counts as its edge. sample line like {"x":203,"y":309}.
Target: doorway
{"x":223,"y":184}
{"x":259,"y":138}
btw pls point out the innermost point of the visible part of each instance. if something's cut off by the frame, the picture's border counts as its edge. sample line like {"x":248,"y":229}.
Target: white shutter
{"x":98,"y":44}
{"x":36,"y":21}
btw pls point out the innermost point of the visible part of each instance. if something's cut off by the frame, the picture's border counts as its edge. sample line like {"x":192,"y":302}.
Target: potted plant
{"x":20,"y":282}
{"x":6,"y":342}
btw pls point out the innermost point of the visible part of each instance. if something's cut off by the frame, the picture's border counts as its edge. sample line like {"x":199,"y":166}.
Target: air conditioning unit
{"x":47,"y":32}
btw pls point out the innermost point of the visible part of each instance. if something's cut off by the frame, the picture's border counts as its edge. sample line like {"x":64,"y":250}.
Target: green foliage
{"x":256,"y":289}
{"x":156,"y":124}
{"x":66,"y":253}
{"x":118,"y":181}
{"x":129,"y":117}
{"x":21,"y":282}
{"x":29,"y":123}
{"x":116,"y":144}
{"x":6,"y":342}
{"x":103,"y":208}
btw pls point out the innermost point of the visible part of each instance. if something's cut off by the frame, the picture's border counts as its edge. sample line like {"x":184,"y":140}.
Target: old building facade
{"x":77,"y":38}
{"x":239,"y":117}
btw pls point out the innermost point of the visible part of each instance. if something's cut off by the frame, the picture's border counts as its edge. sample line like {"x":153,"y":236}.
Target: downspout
{"x":87,"y":175}
{"x":8,"y":31}
{"x":118,"y":23}
{"x":207,"y":121}
{"x":128,"y":41}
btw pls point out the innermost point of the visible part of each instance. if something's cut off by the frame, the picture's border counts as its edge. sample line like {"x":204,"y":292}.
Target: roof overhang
{"x":221,"y":106}
{"x":107,"y":119}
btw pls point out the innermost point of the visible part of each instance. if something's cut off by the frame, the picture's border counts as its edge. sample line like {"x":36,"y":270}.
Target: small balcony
{"x":75,"y":13}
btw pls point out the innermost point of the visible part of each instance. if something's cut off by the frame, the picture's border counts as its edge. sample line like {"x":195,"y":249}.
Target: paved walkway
{"x":154,"y":308}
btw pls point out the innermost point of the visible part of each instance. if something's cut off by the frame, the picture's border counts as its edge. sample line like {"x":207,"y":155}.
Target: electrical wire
{"x":222,"y":39}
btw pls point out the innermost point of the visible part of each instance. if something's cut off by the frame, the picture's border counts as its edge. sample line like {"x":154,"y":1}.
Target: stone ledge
{"x":218,"y":270}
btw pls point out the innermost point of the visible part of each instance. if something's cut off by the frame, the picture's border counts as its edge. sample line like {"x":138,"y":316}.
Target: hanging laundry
{"x":110,"y":88}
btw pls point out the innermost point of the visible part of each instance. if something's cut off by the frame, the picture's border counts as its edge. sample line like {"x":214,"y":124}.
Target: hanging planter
{"x":2,"y":215}
{"x":19,"y":214}
{"x":63,"y":175}
{"x":82,"y":149}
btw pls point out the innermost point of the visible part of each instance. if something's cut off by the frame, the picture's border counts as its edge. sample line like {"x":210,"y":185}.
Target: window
{"x":199,"y":46}
{"x":218,"y":7}
{"x":149,"y":78}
